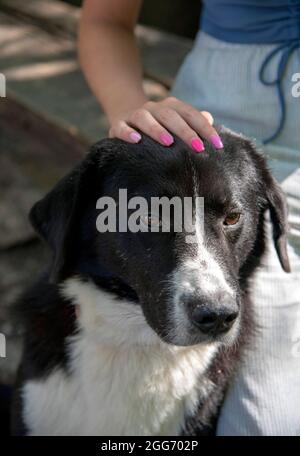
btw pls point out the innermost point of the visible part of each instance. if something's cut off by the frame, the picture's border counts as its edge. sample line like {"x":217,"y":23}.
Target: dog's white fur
{"x":124,"y":380}
{"x":199,"y":271}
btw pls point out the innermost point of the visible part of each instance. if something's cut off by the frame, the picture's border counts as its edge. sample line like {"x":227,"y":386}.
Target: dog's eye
{"x":232,"y":218}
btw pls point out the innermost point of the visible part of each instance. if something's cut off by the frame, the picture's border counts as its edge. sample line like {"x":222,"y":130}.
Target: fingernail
{"x":166,"y":139}
{"x":197,"y":145}
{"x":135,"y":137}
{"x":216,"y":141}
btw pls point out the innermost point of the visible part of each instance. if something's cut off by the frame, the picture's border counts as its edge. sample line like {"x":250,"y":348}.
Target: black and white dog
{"x":140,"y":333}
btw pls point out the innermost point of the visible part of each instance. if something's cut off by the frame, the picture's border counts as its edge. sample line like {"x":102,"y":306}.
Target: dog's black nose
{"x":214,"y":322}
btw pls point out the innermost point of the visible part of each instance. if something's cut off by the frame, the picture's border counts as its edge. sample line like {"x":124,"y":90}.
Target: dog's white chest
{"x":140,"y":393}
{"x":124,"y":380}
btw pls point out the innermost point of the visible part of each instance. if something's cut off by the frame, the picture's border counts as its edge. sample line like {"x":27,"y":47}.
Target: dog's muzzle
{"x":212,"y":314}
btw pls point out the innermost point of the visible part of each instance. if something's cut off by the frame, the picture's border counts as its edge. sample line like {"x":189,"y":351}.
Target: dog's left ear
{"x":273,"y":196}
{"x":279,"y":219}
{"x":55,"y":218}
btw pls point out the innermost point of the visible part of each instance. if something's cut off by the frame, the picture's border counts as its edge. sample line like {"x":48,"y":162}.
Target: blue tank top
{"x":252,"y":21}
{"x":258,"y":22}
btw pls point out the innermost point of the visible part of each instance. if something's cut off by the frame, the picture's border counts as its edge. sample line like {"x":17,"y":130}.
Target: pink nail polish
{"x":166,"y":139}
{"x":216,"y":141}
{"x":197,"y":145}
{"x":135,"y":137}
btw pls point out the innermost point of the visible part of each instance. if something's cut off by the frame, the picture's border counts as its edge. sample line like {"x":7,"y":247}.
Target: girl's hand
{"x":159,"y":119}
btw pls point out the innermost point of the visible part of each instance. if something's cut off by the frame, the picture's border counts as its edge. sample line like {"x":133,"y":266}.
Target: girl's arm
{"x":110,"y":60}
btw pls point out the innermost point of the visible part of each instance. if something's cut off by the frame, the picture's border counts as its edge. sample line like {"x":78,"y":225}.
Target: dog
{"x":140,"y":333}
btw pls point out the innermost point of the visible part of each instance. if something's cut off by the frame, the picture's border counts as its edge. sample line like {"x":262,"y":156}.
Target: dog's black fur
{"x":118,"y":262}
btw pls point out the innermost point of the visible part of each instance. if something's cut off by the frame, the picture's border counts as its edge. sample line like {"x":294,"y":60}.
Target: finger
{"x":208,"y":116}
{"x":144,"y":121}
{"x":123,"y":131}
{"x":177,"y":125}
{"x":198,"y":122}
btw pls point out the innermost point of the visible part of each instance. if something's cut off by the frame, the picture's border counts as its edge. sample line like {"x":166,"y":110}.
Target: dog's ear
{"x":56,"y":217}
{"x":279,"y":219}
{"x":273,"y":197}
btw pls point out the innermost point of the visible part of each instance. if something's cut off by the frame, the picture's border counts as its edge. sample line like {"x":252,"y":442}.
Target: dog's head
{"x":189,"y":285}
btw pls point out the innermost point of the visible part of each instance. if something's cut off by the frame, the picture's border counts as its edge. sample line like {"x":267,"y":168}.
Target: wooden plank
{"x":43,"y":73}
{"x":33,"y":156}
{"x":57,"y":16}
{"x":162,"y":53}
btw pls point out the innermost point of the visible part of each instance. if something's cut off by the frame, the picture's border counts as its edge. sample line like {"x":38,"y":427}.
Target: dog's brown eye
{"x":232,"y":218}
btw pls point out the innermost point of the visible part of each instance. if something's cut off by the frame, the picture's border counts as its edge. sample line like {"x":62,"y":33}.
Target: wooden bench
{"x":39,"y":60}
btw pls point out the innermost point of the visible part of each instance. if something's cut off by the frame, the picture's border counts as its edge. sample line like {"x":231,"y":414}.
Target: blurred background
{"x":48,"y":119}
